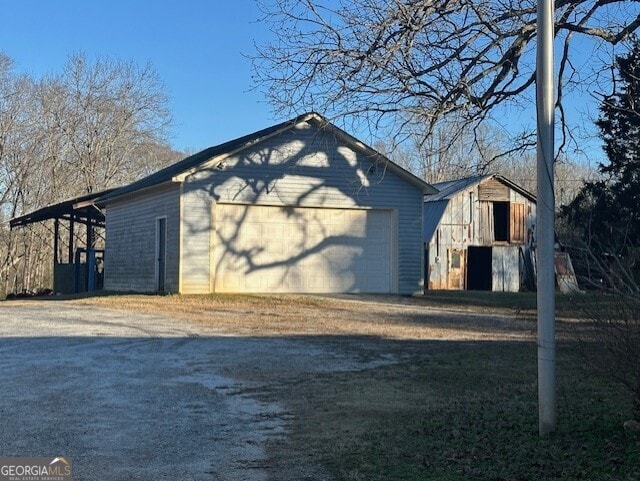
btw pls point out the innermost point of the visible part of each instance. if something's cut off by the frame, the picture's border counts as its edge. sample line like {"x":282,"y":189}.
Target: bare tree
{"x":97,"y":124}
{"x":610,"y":334}
{"x":450,"y":152}
{"x":601,"y":228}
{"x":104,"y":112}
{"x":14,"y":92}
{"x":569,"y":175}
{"x":403,"y":65}
{"x":15,"y":141}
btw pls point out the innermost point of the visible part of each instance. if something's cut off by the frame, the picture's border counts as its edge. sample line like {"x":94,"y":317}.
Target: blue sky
{"x":196,"y":46}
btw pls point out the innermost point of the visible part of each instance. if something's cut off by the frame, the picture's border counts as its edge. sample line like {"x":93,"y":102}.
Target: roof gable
{"x":449,"y":189}
{"x":213,"y":156}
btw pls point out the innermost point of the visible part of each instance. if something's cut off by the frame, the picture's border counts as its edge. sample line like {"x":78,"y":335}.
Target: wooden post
{"x":89,"y":234}
{"x":89,"y":268}
{"x":56,"y":235}
{"x":71,"y":226}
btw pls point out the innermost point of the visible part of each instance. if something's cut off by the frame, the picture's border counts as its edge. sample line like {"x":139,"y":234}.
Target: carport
{"x":77,"y":263}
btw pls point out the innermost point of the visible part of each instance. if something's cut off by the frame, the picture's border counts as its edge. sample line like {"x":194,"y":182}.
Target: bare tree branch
{"x":406,"y":64}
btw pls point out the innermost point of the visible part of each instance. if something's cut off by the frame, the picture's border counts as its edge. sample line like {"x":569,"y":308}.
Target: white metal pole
{"x":545,"y":220}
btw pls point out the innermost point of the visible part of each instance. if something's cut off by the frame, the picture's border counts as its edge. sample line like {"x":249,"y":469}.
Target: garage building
{"x":301,"y":206}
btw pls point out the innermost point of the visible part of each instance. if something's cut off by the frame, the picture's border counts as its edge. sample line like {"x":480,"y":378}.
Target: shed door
{"x":506,"y":269}
{"x":517,"y":223}
{"x":294,"y":249}
{"x":479,"y":268}
{"x":456,"y":269}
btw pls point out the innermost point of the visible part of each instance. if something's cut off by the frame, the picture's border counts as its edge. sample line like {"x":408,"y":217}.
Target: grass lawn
{"x":467,"y":412}
{"x":524,"y":303}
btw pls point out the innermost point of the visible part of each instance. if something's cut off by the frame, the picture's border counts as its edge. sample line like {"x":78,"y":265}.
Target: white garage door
{"x":314,"y":250}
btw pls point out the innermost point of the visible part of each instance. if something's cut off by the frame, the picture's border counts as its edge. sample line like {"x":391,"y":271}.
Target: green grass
{"x":521,"y":302}
{"x":486,"y":299}
{"x":467,"y":413}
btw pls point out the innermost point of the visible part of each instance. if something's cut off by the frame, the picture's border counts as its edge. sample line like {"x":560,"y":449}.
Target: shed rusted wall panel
{"x":436,"y":266}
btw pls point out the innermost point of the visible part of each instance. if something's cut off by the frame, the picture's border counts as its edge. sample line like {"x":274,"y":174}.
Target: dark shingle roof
{"x":168,"y":173}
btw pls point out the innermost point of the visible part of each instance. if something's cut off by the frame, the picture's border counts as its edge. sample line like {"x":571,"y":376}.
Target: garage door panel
{"x":377,"y":253}
{"x":275,"y":249}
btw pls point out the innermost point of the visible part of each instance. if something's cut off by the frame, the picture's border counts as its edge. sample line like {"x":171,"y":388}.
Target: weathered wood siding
{"x":455,"y":231}
{"x":435,"y":269}
{"x":529,"y":212}
{"x":468,"y":220}
{"x":130,"y":258}
{"x":505,"y":269}
{"x":304,"y":166}
{"x":493,"y":190}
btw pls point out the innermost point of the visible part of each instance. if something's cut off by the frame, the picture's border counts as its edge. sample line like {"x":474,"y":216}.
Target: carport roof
{"x":79,"y":209}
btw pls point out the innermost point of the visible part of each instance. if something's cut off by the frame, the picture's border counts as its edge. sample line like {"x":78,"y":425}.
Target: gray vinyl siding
{"x":196,"y":235}
{"x":301,"y":167}
{"x":130,"y":263}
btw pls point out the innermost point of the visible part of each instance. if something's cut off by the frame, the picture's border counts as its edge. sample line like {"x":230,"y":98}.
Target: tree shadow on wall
{"x":284,"y":216}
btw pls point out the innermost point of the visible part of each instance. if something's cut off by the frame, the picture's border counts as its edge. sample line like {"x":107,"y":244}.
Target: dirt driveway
{"x":150,"y":395}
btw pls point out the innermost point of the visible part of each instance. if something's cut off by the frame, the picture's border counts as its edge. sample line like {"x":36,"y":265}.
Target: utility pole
{"x":545,"y":212}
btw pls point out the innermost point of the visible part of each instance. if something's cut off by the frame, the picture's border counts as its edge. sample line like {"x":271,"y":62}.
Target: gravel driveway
{"x":144,"y":396}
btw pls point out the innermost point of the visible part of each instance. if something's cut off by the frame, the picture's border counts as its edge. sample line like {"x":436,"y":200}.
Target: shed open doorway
{"x":479,"y":268}
{"x":501,"y":226}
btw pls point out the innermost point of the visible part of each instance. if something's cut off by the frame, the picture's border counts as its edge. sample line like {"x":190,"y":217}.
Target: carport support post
{"x":89,"y":268}
{"x":56,"y":240}
{"x":545,"y":224}
{"x":89,"y":242}
{"x":71,"y":225}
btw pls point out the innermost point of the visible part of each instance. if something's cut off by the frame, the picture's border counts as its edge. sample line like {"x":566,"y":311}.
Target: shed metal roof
{"x":449,"y":189}
{"x":433,"y":212}
{"x":435,"y":205}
